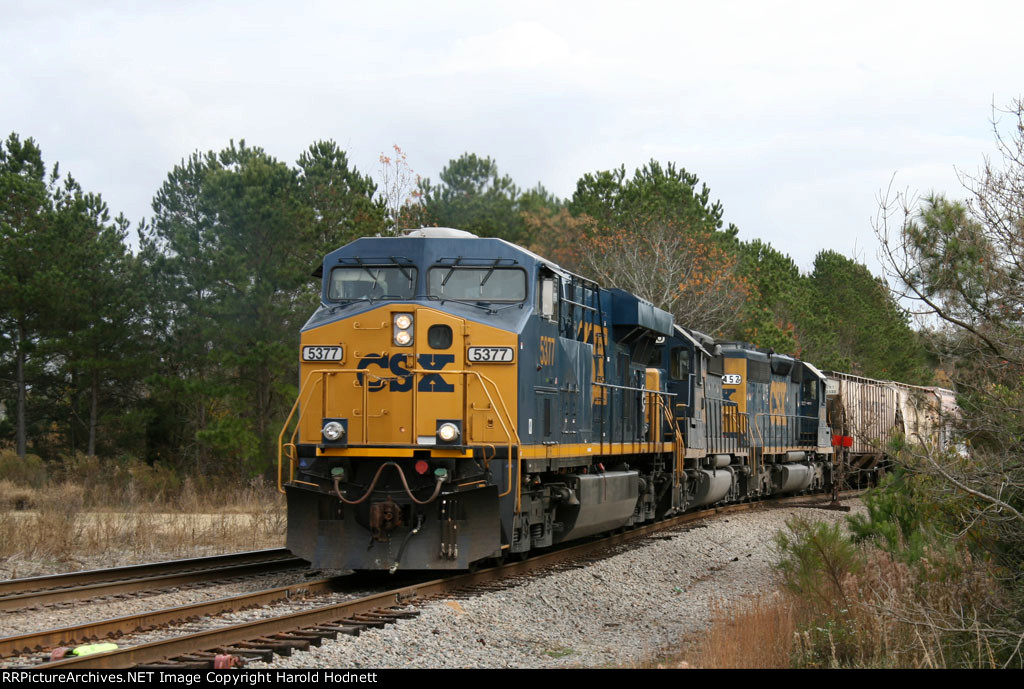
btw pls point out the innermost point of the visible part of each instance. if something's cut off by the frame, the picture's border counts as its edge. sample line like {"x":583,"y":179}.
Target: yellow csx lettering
{"x":547,"y":350}
{"x":778,"y":403}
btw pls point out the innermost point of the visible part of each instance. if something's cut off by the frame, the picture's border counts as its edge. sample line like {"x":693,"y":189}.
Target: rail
{"x":293,"y":626}
{"x":727,"y":430}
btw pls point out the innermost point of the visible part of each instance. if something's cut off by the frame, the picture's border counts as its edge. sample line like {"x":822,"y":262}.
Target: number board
{"x":732,"y":379}
{"x":493,"y":355}
{"x":321,"y":353}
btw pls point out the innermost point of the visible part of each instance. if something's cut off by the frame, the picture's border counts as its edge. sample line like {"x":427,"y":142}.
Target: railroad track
{"x":282,"y":634}
{"x":19,"y":594}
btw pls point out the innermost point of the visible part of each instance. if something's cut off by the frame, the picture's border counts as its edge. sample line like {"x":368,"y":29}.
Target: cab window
{"x":679,"y":364}
{"x":372,"y":282}
{"x":809,"y":391}
{"x":477,"y":284}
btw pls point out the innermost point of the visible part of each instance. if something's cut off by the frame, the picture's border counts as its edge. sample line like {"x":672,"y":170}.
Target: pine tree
{"x":473,"y":196}
{"x":27,"y":243}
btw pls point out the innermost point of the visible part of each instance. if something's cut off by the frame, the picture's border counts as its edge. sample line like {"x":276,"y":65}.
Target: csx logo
{"x":401,"y":378}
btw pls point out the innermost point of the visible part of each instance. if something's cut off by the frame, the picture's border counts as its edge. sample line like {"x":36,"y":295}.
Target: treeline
{"x":933,"y":574}
{"x":182,"y":352}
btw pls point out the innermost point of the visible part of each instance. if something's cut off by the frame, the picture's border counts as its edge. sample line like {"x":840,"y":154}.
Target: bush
{"x":900,"y":518}
{"x":55,"y":528}
{"x":816,"y":559}
{"x":914,"y":601}
{"x":15,"y":497}
{"x":28,"y":471}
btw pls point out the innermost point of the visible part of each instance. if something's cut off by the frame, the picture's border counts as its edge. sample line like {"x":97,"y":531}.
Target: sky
{"x":797,"y":115}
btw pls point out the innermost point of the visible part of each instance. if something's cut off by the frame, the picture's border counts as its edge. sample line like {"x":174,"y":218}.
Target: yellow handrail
{"x":280,"y":437}
{"x":306,"y":392}
{"x":679,"y":446}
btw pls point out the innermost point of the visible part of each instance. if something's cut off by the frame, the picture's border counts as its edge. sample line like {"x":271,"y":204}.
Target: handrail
{"x":791,"y":434}
{"x":725,"y":413}
{"x":280,"y":437}
{"x":679,"y":446}
{"x":508,"y":434}
{"x":504,"y":415}
{"x":626,"y":387}
{"x":323,"y":373}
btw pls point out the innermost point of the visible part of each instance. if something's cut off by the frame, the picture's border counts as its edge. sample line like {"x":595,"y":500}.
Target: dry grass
{"x":755,"y":634}
{"x":50,"y":529}
{"x":898,"y":616}
{"x":15,"y":497}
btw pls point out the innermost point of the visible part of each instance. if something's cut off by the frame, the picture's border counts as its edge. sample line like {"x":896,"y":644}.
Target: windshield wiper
{"x":348,"y":301}
{"x":476,"y":303}
{"x":444,"y":281}
{"x":407,"y":276}
{"x":488,"y":276}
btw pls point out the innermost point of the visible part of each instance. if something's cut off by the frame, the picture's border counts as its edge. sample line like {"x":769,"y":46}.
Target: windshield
{"x":372,"y":282}
{"x":477,"y":284}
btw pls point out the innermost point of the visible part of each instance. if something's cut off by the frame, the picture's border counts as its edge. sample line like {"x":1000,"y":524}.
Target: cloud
{"x":794,"y":113}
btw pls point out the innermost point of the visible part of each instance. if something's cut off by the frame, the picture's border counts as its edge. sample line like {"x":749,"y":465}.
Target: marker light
{"x":448,"y":432}
{"x":333,"y":430}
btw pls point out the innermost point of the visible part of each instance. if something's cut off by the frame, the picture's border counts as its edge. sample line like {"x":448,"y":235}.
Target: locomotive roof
{"x":683,"y":333}
{"x":745,"y":350}
{"x":444,"y":239}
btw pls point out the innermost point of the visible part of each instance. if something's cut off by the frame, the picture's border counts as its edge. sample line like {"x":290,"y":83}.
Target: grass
{"x":758,"y":633}
{"x":840,"y":605}
{"x":61,"y":526}
{"x":559,"y":652}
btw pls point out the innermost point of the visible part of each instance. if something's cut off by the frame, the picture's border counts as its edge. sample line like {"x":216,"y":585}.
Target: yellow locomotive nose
{"x":404,"y":380}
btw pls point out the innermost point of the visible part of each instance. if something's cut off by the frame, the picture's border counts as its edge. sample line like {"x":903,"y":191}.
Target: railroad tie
{"x":172,"y":665}
{"x":264,"y":654}
{"x":388,"y":617}
{"x":402,"y":614}
{"x":297,"y":644}
{"x":198,"y":657}
{"x":311,"y":639}
{"x":277,"y":647}
{"x":349,"y":630}
{"x":358,"y":621}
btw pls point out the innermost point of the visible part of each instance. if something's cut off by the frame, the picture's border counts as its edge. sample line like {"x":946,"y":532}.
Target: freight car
{"x":866,"y":416}
{"x":463,"y":399}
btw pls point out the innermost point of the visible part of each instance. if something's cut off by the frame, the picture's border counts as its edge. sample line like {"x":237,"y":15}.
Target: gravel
{"x":624,"y":610}
{"x":621,"y":611}
{"x":79,"y":612}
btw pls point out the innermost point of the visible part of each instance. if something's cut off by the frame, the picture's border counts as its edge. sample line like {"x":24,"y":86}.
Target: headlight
{"x":333,"y":430}
{"x":402,"y":330}
{"x":448,"y":432}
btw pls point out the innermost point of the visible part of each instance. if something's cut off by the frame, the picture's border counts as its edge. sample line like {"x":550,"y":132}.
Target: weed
{"x":562,"y":652}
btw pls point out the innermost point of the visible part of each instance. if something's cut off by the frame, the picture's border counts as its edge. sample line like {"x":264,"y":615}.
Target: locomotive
{"x":463,"y":399}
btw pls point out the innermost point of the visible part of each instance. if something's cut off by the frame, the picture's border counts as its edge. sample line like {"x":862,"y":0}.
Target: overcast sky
{"x":794,"y":114}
